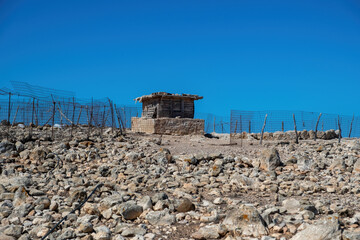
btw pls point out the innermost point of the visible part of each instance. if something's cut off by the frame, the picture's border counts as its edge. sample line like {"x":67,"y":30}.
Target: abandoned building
{"x":166,"y":113}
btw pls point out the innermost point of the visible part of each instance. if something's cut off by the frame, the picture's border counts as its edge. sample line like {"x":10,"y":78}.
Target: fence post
{"x":352,"y":121}
{"x":37,"y":113}
{"x":17,"y":109}
{"x":73,"y":113}
{"x":339,"y":128}
{"x":296,"y":133}
{"x":9,"y":108}
{"x":249,"y":126}
{"x":214,"y":123}
{"x":103,"y":122}
{"x":77,"y":123}
{"x":53,"y":121}
{"x":316,"y":127}
{"x":282,"y":126}
{"x":119,"y":120}
{"x":241,"y":128}
{"x":33,"y":111}
{"x":73,"y":119}
{"x":112,"y":115}
{"x":91,"y":118}
{"x":262,"y":130}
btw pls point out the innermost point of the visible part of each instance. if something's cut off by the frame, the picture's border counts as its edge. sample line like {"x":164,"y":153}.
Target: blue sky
{"x":249,"y":55}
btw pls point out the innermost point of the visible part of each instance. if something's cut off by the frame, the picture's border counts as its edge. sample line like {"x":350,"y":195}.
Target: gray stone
{"x":305,"y":163}
{"x":132,"y":231}
{"x":110,"y":201}
{"x":270,"y":159}
{"x":145,"y":203}
{"x":5,"y":237}
{"x":206,"y":232}
{"x":45,"y":201}
{"x":159,"y":196}
{"x":14,"y":231}
{"x":291,"y":205}
{"x":160,"y":217}
{"x":328,"y":229}
{"x":350,"y":235}
{"x":356,"y":168}
{"x":245,"y":218}
{"x":185,"y":206}
{"x":102,"y":233}
{"x":22,"y":210}
{"x":68,"y":233}
{"x":215,"y":170}
{"x":5,"y":146}
{"x":19,"y":146}
{"x":130,"y":211}
{"x":85,"y":227}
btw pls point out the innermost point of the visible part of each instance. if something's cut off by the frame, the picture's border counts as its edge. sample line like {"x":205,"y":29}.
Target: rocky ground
{"x":172,"y":187}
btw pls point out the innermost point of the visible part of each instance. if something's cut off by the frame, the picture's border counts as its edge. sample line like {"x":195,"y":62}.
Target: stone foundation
{"x":170,"y":126}
{"x":289,"y":135}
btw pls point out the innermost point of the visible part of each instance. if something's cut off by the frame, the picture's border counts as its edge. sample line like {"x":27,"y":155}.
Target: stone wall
{"x":170,"y":126}
{"x":145,"y":125}
{"x":289,"y":135}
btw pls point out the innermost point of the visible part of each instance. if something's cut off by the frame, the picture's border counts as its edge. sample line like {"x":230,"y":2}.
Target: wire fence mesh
{"x":283,"y":121}
{"x":37,"y":106}
{"x":215,"y":123}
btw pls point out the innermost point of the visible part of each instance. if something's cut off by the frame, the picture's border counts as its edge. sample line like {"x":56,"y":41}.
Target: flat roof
{"x":168,"y":95}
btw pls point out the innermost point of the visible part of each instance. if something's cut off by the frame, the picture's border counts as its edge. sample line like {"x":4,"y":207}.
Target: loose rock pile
{"x":280,"y":190}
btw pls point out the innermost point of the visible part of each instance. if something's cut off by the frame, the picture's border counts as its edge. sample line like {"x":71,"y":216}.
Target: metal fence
{"x":38,"y":106}
{"x":253,"y":122}
{"x":215,"y":123}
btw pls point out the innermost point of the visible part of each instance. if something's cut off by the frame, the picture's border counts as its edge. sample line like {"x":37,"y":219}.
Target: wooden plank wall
{"x":167,"y":107}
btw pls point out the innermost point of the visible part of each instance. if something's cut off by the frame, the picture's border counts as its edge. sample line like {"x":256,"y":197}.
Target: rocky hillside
{"x":110,"y":186}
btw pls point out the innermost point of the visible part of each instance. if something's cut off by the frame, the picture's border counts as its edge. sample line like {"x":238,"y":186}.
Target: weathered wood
{"x":77,"y":122}
{"x":162,"y":106}
{"x":112,"y":115}
{"x":214,"y":124}
{"x":37,"y":113}
{"x":62,"y":114}
{"x":17,"y":109}
{"x":241,"y":127}
{"x":73,"y":113}
{"x":351,"y":124}
{"x":249,"y":126}
{"x":53,"y":120}
{"x":59,"y":104}
{"x":73,"y":119}
{"x":262,"y":130}
{"x":282,"y":126}
{"x":339,"y":128}
{"x":296,"y":133}
{"x":91,"y":118}
{"x":316,"y":127}
{"x":9,"y":108}
{"x":33,"y":110}
{"x":119,"y":119}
